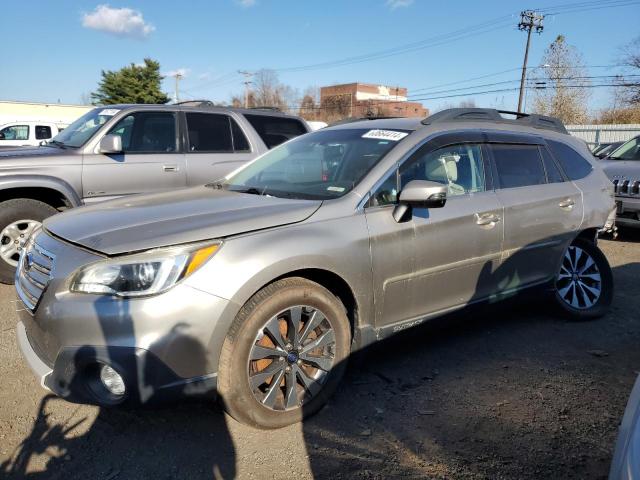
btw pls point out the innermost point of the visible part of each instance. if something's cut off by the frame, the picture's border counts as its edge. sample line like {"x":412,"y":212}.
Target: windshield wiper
{"x":57,"y":143}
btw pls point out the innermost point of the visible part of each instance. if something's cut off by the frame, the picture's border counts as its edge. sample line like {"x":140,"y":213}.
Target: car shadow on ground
{"x":492,"y":391}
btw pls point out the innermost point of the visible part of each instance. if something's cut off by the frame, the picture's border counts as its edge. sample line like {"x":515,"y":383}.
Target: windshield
{"x":80,"y":131}
{"x":627,"y":151}
{"x":321,"y":165}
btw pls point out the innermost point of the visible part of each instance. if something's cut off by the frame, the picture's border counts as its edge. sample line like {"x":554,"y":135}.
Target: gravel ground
{"x":506,"y":391}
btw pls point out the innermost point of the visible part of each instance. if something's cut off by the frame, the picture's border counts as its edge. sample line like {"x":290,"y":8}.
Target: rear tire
{"x":18,"y":218}
{"x":269,"y":375}
{"x":583,"y":288}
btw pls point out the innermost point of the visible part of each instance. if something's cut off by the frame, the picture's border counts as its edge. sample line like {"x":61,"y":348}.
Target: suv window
{"x":460,"y":167}
{"x":209,"y":133}
{"x":627,"y":151}
{"x":573,"y":164}
{"x":275,"y":130}
{"x":553,"y":172}
{"x":518,"y":165}
{"x":147,"y":132}
{"x":15,"y":132}
{"x":43,"y":132}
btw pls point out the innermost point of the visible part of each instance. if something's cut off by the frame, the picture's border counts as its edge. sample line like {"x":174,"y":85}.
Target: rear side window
{"x":276,"y":130}
{"x":553,"y":172}
{"x":43,"y":132}
{"x":240,"y":142}
{"x":573,"y":164}
{"x":518,"y":165}
{"x":209,"y":133}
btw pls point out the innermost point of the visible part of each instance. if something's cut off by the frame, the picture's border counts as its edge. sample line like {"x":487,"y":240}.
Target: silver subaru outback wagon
{"x":260,"y":285}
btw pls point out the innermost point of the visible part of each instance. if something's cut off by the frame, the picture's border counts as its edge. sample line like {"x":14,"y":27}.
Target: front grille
{"x":34,"y":273}
{"x":627,"y":187}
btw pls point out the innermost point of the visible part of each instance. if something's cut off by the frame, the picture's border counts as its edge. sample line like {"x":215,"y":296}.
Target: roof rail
{"x":270,"y":109}
{"x":493,"y":115}
{"x":196,"y":103}
{"x":358,"y":119}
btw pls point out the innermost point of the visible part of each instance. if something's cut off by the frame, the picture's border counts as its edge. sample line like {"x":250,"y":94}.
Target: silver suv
{"x":124,"y":149}
{"x":262,"y":285}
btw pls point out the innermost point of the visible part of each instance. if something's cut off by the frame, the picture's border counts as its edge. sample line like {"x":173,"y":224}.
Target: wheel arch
{"x":55,"y":192}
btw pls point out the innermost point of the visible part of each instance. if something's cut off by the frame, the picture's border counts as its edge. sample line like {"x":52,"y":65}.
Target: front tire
{"x":284,"y":355}
{"x":583,"y":287}
{"x":19,"y":217}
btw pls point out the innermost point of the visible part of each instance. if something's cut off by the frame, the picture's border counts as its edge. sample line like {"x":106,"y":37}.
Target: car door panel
{"x":161,"y":167}
{"x":539,"y":218}
{"x":442,"y":257}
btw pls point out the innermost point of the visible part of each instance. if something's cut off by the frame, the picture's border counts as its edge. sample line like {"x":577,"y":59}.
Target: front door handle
{"x":170,"y":168}
{"x":488,"y":219}
{"x":567,"y":204}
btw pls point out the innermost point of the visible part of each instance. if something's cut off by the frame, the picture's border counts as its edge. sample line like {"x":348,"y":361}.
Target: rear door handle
{"x":487,"y":219}
{"x":170,"y":168}
{"x":567,"y":204}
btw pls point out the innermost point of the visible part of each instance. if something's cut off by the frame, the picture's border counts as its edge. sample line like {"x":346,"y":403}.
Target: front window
{"x":460,"y":167}
{"x":15,"y":132}
{"x":627,"y":151}
{"x":321,"y":165}
{"x":80,"y":131}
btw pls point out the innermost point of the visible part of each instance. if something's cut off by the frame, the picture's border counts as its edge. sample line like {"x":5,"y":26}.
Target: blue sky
{"x":57,"y":49}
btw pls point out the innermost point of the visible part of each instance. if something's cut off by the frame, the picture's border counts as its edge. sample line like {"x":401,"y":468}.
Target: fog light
{"x":112,"y":380}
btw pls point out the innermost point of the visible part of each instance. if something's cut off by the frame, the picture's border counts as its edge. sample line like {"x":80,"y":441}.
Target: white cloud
{"x":246,"y":3}
{"x":178,"y":71}
{"x":393,"y":4}
{"x":121,"y":22}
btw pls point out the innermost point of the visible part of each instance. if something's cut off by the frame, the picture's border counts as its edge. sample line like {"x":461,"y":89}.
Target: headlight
{"x":142,"y":274}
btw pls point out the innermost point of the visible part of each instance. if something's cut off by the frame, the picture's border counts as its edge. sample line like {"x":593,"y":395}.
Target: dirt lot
{"x":504,"y":391}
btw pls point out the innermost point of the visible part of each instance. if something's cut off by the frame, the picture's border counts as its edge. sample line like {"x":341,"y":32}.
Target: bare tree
{"x":309,"y":105}
{"x":631,"y":58}
{"x":562,"y":91}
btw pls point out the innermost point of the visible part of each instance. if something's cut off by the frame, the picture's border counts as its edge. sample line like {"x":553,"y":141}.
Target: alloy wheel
{"x":13,"y":238}
{"x":291,"y":358}
{"x":579,"y":283}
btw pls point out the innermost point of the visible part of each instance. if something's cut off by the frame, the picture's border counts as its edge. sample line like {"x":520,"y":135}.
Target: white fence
{"x":595,"y":134}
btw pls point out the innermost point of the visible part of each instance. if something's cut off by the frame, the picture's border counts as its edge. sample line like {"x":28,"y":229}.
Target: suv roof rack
{"x":358,"y":119}
{"x":493,"y":115}
{"x":196,"y":103}
{"x":270,"y":109}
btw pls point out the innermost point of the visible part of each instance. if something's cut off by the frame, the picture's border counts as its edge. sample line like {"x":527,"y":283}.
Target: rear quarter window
{"x":575,"y":166}
{"x":275,"y":130}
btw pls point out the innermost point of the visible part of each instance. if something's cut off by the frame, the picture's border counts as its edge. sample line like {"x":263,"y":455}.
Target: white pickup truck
{"x":27,"y":133}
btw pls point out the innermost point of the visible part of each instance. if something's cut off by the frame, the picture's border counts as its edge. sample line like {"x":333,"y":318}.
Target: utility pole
{"x":247,"y":82}
{"x":529,"y":20}
{"x":178,"y":76}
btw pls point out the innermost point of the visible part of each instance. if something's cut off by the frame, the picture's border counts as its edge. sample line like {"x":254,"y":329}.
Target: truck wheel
{"x":584,"y":286}
{"x":19,"y":217}
{"x":284,"y":354}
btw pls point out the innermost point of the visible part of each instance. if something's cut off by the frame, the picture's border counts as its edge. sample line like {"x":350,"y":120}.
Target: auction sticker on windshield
{"x":109,"y":112}
{"x":385,"y":135}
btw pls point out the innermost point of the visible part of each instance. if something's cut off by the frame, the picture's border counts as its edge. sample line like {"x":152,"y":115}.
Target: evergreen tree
{"x":131,"y":84}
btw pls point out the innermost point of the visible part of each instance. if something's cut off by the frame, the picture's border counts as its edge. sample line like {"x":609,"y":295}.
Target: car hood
{"x":142,"y":222}
{"x":20,"y":152}
{"x":621,"y":169}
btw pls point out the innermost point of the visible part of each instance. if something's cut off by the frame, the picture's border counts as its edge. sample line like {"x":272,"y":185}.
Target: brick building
{"x":367,"y":100}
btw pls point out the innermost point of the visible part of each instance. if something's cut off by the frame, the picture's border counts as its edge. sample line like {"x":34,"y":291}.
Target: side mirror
{"x":420,"y":194}
{"x":110,"y":144}
{"x":1,"y":136}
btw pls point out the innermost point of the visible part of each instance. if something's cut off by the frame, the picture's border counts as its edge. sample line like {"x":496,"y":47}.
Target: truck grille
{"x":34,"y":273}
{"x":627,"y":187}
